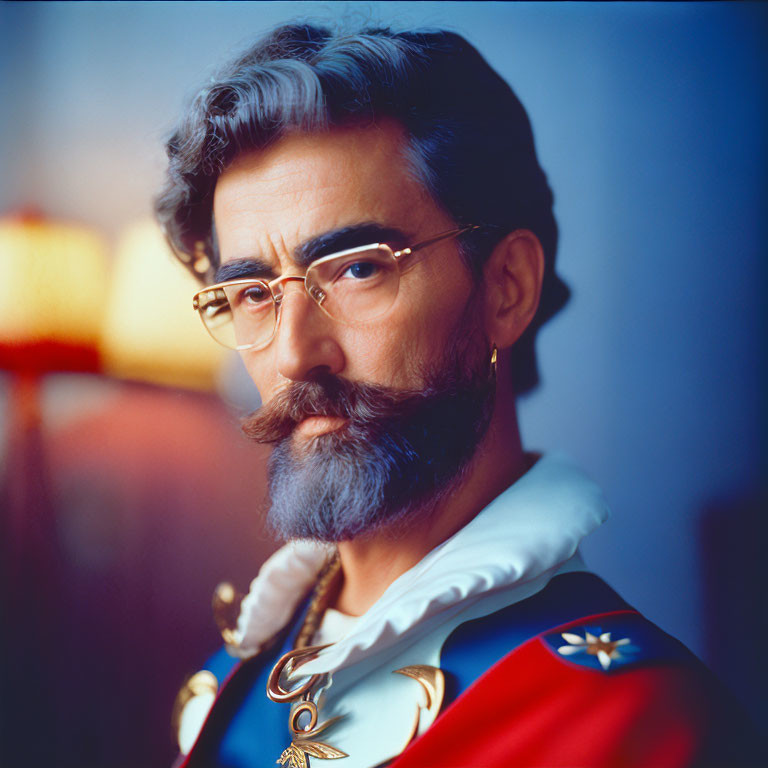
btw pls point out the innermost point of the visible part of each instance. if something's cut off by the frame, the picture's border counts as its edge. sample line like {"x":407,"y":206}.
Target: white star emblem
{"x":602,"y":646}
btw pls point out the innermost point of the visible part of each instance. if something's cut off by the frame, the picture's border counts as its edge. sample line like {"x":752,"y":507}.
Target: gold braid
{"x":324,"y":589}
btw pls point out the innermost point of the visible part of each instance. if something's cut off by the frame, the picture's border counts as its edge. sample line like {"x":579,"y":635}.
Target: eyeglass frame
{"x":278,"y":299}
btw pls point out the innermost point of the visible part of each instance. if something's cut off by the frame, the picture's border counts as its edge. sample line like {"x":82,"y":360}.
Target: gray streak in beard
{"x":397,"y":455}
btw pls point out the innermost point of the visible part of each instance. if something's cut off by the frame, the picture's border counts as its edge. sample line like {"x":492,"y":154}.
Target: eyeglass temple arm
{"x":436,"y":239}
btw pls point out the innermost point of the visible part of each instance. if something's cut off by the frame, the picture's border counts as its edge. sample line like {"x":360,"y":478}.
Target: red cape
{"x":535,"y":709}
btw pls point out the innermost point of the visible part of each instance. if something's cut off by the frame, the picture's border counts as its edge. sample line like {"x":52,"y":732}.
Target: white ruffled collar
{"x":528,"y":531}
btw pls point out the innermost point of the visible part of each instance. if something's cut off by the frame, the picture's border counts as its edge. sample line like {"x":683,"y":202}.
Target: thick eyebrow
{"x":348,"y":237}
{"x":322,"y":245}
{"x":242,"y":269}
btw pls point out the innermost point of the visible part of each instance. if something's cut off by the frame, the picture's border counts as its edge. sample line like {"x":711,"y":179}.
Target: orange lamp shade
{"x":53,"y":288}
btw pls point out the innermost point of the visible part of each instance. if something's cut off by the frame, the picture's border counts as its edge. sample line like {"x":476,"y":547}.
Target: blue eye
{"x":361,"y":270}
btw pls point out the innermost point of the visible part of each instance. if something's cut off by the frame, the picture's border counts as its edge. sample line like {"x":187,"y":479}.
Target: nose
{"x":305,"y":343}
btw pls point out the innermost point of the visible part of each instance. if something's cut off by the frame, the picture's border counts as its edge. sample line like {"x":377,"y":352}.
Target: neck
{"x":369,"y":565}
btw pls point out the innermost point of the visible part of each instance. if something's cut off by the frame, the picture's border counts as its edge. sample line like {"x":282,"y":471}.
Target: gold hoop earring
{"x":494,"y":357}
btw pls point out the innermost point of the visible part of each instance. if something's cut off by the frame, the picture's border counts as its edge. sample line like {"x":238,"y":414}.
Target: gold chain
{"x":303,"y":739}
{"x":324,"y":589}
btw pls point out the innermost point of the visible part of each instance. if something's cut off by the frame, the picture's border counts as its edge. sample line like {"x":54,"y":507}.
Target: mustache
{"x":360,"y":403}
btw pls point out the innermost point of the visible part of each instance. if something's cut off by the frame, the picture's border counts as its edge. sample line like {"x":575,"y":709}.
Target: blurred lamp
{"x":151,"y":332}
{"x":53,"y":285}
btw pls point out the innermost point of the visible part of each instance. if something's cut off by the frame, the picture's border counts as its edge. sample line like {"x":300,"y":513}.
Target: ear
{"x":513,"y":275}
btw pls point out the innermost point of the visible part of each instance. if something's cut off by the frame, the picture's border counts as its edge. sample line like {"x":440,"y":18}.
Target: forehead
{"x":268,"y":203}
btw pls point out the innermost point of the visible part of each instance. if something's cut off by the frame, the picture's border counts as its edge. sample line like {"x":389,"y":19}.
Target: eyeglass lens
{"x":350,"y":287}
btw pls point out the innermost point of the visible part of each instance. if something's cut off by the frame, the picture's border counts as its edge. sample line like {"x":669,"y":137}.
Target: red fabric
{"x":535,"y":710}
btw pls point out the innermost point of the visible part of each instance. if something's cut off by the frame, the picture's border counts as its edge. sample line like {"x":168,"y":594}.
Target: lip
{"x":313,"y":426}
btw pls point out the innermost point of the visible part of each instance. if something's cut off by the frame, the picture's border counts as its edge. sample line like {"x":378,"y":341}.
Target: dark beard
{"x":399,"y":453}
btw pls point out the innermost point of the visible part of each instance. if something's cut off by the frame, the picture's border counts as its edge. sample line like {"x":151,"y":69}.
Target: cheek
{"x":261,"y":367}
{"x":414,"y":335}
{"x":375,"y":353}
{"x":435,"y":303}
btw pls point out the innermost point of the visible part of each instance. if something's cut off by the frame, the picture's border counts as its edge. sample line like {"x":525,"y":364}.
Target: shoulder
{"x":603,"y":631}
{"x":641,"y":694}
{"x":476,"y":645}
{"x":197,"y":695}
{"x":616,"y":640}
{"x":614,"y":687}
{"x":213,"y":695}
{"x":576,"y":629}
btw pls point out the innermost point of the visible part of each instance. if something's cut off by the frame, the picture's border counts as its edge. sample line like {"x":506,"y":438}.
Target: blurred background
{"x":126,"y":490}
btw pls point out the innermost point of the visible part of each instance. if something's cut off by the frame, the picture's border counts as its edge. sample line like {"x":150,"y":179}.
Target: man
{"x":376,"y":238}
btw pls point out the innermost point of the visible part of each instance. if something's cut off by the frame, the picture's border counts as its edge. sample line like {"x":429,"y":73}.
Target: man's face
{"x":268,"y":204}
{"x":270,"y":207}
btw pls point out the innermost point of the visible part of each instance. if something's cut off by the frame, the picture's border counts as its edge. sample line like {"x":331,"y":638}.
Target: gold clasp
{"x":275,"y":691}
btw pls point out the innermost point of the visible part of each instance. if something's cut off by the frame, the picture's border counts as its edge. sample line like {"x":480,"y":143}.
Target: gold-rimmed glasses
{"x":352,"y":286}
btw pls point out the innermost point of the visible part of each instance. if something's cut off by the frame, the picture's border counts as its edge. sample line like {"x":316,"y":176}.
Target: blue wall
{"x":650,"y":121}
